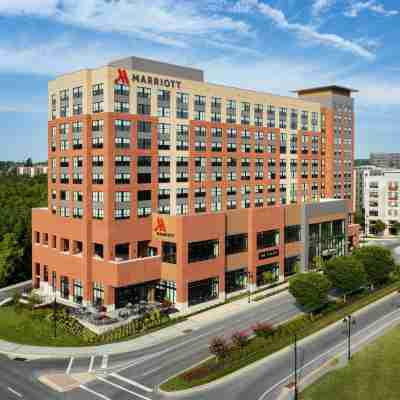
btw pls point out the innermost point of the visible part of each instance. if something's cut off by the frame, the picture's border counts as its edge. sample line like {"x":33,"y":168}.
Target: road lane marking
{"x":341,"y":344}
{"x":104,"y":362}
{"x":122,"y":388}
{"x":134,"y":383}
{"x":91,"y":363}
{"x":101,"y":396}
{"x":14,"y":392}
{"x":69,"y":365}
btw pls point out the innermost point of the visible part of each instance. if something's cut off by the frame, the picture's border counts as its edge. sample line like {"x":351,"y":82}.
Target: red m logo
{"x":122,"y":77}
{"x":160,"y":227}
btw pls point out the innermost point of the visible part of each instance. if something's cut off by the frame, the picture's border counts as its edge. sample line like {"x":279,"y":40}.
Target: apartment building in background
{"x":359,"y":188}
{"x":382,"y":198}
{"x":162,"y":185}
{"x":32,"y":171}
{"x":385,"y":160}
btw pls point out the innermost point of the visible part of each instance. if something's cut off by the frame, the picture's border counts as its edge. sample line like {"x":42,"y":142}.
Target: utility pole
{"x":295,"y":368}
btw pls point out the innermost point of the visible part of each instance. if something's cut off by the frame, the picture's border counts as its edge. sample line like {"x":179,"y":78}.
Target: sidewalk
{"x":193,"y":323}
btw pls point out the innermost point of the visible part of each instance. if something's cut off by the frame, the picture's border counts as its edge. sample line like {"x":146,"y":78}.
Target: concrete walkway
{"x":195,"y":322}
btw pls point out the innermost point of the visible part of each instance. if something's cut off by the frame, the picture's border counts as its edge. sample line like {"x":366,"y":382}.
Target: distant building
{"x":32,"y":171}
{"x":385,"y":160}
{"x":359,"y":187}
{"x":381,"y":198}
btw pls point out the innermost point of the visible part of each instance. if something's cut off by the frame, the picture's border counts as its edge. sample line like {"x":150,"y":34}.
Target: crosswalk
{"x":111,"y":387}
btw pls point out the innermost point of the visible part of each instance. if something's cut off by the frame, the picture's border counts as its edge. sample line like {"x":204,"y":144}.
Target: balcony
{"x":127,"y":272}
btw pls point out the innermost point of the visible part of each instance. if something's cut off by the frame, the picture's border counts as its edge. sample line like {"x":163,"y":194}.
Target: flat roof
{"x":328,"y":88}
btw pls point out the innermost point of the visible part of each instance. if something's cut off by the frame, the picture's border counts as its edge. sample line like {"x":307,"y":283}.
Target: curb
{"x":255,"y":364}
{"x":12,"y":350}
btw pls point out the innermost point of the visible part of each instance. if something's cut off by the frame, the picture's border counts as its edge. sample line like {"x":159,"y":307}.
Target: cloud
{"x":320,"y":6}
{"x":162,"y":21}
{"x":356,"y":7}
{"x":304,"y":32}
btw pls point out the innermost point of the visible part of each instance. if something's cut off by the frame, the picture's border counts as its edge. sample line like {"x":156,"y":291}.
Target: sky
{"x":268,"y":45}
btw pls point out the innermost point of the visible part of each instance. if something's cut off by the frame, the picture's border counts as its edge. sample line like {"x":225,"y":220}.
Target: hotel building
{"x":162,"y":185}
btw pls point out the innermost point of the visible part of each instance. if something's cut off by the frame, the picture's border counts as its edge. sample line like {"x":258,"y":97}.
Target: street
{"x":137,"y":375}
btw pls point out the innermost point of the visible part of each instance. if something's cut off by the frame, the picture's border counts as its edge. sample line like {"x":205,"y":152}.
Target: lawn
{"x":23,"y":326}
{"x":372,"y":374}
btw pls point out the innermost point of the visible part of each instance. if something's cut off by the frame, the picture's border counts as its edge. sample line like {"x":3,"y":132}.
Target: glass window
{"x":203,"y":250}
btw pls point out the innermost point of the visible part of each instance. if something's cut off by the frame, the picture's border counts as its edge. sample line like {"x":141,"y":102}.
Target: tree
{"x":11,"y":259}
{"x":379,"y":227}
{"x":378,"y":263}
{"x":310,"y":289}
{"x":240,"y":340}
{"x":396,"y":227}
{"x":346,"y":273}
{"x":28,"y":162}
{"x":219,"y":348}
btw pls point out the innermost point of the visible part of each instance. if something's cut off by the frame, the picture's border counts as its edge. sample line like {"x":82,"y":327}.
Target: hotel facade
{"x":164,"y":186}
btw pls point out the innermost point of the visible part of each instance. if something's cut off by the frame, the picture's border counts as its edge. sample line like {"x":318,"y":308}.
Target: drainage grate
{"x":187,"y":331}
{"x":19,"y":359}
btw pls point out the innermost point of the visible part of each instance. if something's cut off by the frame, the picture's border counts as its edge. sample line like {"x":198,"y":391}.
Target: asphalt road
{"x":136,"y":375}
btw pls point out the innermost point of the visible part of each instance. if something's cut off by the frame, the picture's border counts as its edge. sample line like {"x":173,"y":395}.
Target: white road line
{"x":69,"y":365}
{"x":14,"y":392}
{"x":101,"y":396}
{"x":91,"y":363}
{"x":124,"y":389}
{"x":382,"y":327}
{"x":137,"y":384}
{"x":104,"y":362}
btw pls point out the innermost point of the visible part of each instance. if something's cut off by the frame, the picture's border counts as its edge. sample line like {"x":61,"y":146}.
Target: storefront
{"x":235,"y":280}
{"x":267,"y":274}
{"x":202,"y":291}
{"x":135,"y":293}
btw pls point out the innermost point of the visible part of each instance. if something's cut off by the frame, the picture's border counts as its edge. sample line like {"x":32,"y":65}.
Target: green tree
{"x":379,"y":226}
{"x":11,"y":259}
{"x":346,"y":273}
{"x":396,"y":227}
{"x":378,"y":263}
{"x":310,"y":289}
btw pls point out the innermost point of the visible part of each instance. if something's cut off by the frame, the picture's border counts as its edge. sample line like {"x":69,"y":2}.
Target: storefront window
{"x":64,"y":287}
{"x":267,"y":239}
{"x":78,"y":292}
{"x":290,"y":265}
{"x":236,"y":243}
{"x":235,"y":280}
{"x":98,"y":294}
{"x":202,"y":291}
{"x":267,"y":274}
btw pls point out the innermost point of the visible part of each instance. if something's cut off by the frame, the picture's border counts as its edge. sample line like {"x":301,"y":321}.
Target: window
{"x":168,"y":252}
{"x":78,"y":292}
{"x":98,"y":250}
{"x":235,"y":280}
{"x":236,"y":243}
{"x":98,"y":294}
{"x":98,"y":107}
{"x":202,"y":291}
{"x":292,"y":233}
{"x":98,"y":213}
{"x":203,"y":250}
{"x":98,"y":89}
{"x":64,"y":288}
{"x":267,"y":239}
{"x":182,"y":105}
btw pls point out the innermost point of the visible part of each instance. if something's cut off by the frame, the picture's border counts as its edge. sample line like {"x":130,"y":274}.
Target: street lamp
{"x":349,"y":321}
{"x":249,"y":279}
{"x":55,"y":315}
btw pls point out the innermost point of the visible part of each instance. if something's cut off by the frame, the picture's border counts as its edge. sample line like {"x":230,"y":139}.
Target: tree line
{"x":367,"y":266}
{"x":18,"y":195}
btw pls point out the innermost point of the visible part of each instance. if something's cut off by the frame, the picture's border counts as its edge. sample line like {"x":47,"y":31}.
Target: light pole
{"x":295,"y":368}
{"x":349,"y":321}
{"x":249,"y":279}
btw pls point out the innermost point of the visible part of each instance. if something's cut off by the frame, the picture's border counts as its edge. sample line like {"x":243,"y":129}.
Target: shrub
{"x":219,"y":348}
{"x":263,"y":329}
{"x":240,"y":340}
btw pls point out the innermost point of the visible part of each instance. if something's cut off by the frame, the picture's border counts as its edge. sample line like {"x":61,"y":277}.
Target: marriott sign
{"x":151,"y":80}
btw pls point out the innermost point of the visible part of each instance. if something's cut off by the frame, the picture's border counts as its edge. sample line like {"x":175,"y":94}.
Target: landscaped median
{"x":230,"y":357}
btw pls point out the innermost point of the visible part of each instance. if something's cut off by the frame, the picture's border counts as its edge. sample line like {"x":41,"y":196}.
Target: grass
{"x":24,"y":327}
{"x":371,"y":375}
{"x":261,"y":348}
